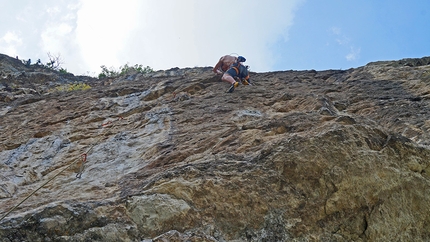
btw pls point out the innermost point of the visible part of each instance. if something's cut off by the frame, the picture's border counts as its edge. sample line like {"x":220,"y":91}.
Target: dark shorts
{"x":232,"y":72}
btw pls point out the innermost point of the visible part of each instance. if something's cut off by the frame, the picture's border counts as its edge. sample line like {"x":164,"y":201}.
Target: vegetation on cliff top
{"x":123,"y":70}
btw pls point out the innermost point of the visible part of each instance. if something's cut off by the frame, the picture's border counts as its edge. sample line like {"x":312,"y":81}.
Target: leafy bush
{"x":111,"y":72}
{"x":63,"y":71}
{"x":123,"y":70}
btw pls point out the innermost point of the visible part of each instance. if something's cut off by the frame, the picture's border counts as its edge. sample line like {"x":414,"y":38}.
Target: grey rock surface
{"x":335,"y":155}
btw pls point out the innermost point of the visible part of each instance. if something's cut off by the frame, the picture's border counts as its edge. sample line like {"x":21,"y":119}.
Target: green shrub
{"x":123,"y":70}
{"x":63,"y":71}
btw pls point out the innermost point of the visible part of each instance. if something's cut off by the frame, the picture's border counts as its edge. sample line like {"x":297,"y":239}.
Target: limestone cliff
{"x":336,"y":155}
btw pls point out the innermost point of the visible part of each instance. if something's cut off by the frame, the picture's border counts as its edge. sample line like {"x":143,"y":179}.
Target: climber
{"x":237,"y":72}
{"x":224,"y":64}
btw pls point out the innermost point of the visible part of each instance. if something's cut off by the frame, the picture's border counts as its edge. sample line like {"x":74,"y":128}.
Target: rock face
{"x":336,"y":155}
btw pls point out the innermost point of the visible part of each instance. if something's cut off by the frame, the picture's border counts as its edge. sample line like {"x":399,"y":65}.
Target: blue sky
{"x":273,"y":35}
{"x":340,"y":34}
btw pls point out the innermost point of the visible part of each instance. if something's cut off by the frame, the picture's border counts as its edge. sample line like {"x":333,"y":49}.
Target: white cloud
{"x":56,"y":29}
{"x":159,"y":33}
{"x":54,"y":36}
{"x":345,"y":41}
{"x":336,"y":30}
{"x":10,"y":43}
{"x":169,"y":33}
{"x":53,"y":11}
{"x":102,"y":28}
{"x":340,"y":38}
{"x":353,"y":54}
{"x":12,"y":38}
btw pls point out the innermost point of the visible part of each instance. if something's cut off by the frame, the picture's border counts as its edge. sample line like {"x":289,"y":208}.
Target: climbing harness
{"x":236,"y":68}
{"x":83,"y":158}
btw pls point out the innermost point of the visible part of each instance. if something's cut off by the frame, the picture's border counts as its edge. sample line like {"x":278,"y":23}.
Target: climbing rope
{"x":31,"y":194}
{"x":83,"y":157}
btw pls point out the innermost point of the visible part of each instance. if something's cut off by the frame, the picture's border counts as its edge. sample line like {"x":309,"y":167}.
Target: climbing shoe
{"x":245,"y":82}
{"x":234,"y":85}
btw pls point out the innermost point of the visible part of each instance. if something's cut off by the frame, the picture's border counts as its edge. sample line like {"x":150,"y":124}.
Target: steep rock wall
{"x":300,"y":155}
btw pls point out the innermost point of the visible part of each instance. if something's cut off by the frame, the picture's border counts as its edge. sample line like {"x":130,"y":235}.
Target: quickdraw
{"x":84,"y":156}
{"x":81,"y":169}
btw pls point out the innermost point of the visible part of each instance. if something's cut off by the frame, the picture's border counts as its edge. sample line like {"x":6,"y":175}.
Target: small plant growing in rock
{"x":27,"y":63}
{"x":54,"y":63}
{"x":71,"y":87}
{"x":63,"y":71}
